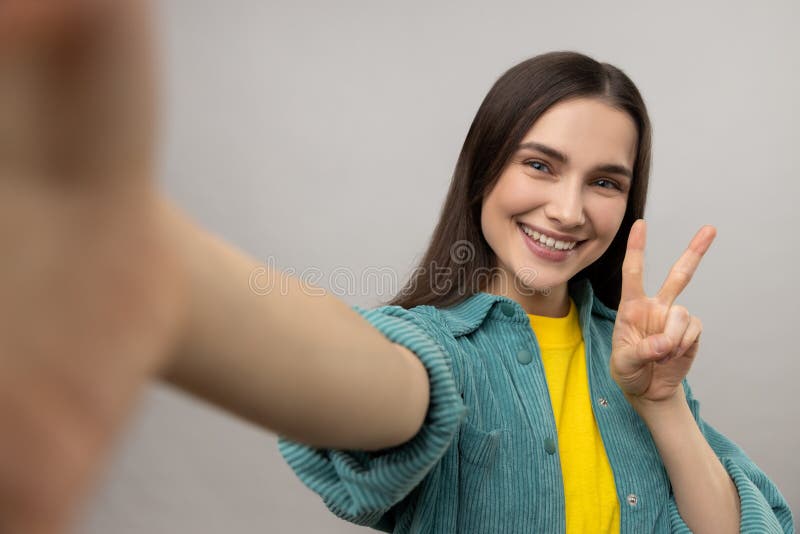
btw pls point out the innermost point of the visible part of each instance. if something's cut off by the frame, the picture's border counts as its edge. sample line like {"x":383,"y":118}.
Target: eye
{"x":612,"y":184}
{"x":534,"y":162}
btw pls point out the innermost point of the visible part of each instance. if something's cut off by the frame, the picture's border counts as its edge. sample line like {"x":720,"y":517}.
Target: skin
{"x":655,"y":330}
{"x":568,"y":198}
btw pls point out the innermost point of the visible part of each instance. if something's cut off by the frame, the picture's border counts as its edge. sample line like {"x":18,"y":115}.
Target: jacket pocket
{"x":480,"y":447}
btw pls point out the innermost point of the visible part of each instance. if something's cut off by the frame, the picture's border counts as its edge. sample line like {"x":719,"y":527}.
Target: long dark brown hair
{"x":518,"y":98}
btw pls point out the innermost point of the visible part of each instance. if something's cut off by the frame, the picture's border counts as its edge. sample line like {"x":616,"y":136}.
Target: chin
{"x":540,"y":285}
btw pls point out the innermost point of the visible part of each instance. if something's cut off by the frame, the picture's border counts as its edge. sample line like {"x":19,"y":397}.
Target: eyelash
{"x":612,"y":182}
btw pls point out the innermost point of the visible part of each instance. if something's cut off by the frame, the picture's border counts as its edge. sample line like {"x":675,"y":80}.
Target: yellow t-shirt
{"x":591,"y":496}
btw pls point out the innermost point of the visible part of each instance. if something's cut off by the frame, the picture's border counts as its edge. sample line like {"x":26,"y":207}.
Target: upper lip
{"x":550,"y":233}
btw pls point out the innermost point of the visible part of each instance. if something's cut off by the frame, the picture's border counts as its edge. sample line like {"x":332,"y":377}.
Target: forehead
{"x":588,"y":131}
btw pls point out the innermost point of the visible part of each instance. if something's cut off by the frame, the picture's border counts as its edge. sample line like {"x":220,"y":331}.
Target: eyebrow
{"x":562,"y":158}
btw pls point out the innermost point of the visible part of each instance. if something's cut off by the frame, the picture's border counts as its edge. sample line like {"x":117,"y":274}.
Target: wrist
{"x":648,"y":408}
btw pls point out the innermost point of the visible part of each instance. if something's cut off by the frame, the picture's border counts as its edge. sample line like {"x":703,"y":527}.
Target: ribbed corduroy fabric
{"x":486,"y":459}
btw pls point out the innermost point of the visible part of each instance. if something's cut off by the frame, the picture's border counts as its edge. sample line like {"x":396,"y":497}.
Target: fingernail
{"x":660,"y":345}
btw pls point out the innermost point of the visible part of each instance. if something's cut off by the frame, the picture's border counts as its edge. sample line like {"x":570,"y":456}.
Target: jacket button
{"x":603,"y":402}
{"x":524,"y":356}
{"x":550,"y":445}
{"x":632,"y":499}
{"x":507,"y":308}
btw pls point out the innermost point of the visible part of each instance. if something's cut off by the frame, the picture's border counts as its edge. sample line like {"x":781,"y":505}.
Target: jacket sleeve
{"x":763,"y":508}
{"x":362,"y":486}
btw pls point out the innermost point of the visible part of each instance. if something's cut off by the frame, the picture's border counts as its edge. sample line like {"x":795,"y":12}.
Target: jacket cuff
{"x":360,"y":486}
{"x":756,"y":514}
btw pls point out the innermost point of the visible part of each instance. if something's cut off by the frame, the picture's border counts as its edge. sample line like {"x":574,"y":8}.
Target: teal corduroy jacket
{"x":486,"y":459}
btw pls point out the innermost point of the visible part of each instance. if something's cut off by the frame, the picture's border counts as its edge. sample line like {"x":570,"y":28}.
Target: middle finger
{"x":683,"y":269}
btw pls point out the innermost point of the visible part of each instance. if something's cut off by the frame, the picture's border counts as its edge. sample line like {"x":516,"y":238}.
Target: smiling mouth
{"x":549,"y":243}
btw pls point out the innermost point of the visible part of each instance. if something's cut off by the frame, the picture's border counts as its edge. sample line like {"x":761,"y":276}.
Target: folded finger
{"x":678,"y":319}
{"x":675,"y":326}
{"x":690,"y":337}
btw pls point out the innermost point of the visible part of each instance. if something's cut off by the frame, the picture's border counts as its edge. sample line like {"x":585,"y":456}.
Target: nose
{"x":565,"y":206}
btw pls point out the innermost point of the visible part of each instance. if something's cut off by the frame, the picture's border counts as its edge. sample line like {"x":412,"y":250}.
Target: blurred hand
{"x":655,"y":341}
{"x":91,"y":293}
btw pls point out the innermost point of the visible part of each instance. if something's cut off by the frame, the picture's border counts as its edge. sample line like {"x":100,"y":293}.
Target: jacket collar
{"x":468,"y":315}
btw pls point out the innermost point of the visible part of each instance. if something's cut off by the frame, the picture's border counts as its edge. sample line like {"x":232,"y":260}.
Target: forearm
{"x":706,"y":496}
{"x":294,"y":360}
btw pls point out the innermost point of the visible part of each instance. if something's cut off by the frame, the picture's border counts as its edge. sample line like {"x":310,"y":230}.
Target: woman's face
{"x":569,"y":178}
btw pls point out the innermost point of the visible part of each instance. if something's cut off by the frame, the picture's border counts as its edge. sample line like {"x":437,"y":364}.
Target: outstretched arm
{"x":104,"y":285}
{"x":292,"y":359}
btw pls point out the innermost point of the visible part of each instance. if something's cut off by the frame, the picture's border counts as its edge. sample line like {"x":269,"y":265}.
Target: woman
{"x":577,"y":416}
{"x":428,"y":419}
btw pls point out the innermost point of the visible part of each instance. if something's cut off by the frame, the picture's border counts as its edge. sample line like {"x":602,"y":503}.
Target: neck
{"x":549,"y":303}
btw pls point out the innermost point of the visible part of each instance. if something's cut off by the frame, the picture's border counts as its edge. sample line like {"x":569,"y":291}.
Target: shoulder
{"x":421,"y":328}
{"x":425,"y":330}
{"x":425,"y":318}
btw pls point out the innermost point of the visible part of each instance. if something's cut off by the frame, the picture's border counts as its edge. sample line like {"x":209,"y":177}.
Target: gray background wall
{"x":324,"y":135}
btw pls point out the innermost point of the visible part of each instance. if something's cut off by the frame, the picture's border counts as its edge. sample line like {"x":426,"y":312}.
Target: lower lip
{"x":545,"y":252}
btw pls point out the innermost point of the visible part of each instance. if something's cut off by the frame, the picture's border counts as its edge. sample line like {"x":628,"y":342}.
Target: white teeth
{"x":549,"y":241}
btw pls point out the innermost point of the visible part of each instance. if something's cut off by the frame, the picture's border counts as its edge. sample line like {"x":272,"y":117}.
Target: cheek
{"x":496,"y":214}
{"x":516,"y":196}
{"x":606,"y":215}
{"x":497,"y":207}
{"x":488,"y":221}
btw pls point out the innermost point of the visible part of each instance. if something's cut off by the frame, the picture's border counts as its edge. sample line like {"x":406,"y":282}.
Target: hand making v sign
{"x":655,"y":341}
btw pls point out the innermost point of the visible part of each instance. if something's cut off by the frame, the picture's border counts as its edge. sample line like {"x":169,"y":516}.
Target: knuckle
{"x":681,"y":311}
{"x":680,"y":278}
{"x":632,"y":271}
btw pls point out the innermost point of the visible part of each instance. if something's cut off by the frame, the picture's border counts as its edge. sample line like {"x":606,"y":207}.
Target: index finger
{"x":683,"y":269}
{"x":633,"y":264}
